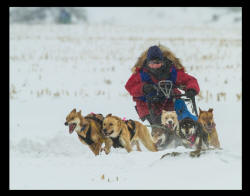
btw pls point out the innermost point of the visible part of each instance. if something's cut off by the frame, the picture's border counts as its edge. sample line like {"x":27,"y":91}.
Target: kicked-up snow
{"x":55,"y":68}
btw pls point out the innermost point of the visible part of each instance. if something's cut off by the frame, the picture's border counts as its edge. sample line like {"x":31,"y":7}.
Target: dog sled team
{"x":154,"y":86}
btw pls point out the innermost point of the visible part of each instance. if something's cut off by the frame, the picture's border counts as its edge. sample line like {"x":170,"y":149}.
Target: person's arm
{"x":188,"y":81}
{"x":134,"y":85}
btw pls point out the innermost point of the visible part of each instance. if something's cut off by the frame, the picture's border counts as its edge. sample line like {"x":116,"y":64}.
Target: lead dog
{"x":88,"y":129}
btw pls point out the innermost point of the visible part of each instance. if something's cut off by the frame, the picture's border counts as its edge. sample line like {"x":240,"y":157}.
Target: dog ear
{"x":74,"y":110}
{"x":163,"y":111}
{"x":80,"y":112}
{"x":210,"y":109}
{"x":108,"y":115}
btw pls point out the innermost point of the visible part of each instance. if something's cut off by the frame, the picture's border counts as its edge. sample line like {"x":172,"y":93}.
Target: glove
{"x":191,"y":93}
{"x":152,"y":94}
{"x":148,"y":88}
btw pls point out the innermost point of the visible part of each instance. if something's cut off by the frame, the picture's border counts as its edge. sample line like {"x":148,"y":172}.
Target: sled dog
{"x":207,"y":121}
{"x":167,"y":138}
{"x":125,"y":134}
{"x":192,"y":135}
{"x":88,"y":129}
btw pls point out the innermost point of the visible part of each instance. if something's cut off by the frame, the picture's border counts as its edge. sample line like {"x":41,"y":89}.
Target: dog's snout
{"x":66,"y":123}
{"x":105,"y":130}
{"x":170,"y":122}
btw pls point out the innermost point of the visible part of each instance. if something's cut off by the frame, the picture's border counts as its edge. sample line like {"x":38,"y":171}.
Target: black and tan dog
{"x":193,"y":135}
{"x":88,"y":129}
{"x":126,"y":134}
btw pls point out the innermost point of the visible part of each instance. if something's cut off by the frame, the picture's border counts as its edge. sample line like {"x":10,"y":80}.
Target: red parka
{"x":135,"y":84}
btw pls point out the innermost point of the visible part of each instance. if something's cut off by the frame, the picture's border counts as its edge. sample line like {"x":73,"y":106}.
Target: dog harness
{"x":116,"y":141}
{"x":131,"y":130}
{"x":88,"y":139}
{"x":95,"y":119}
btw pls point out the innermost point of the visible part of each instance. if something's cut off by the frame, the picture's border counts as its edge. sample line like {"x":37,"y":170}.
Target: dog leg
{"x":146,"y":139}
{"x":93,"y":149}
{"x":196,"y":153}
{"x":137,"y":146}
{"x":97,"y":148}
{"x":108,"y":143}
{"x":214,"y":140}
{"x":126,"y":143}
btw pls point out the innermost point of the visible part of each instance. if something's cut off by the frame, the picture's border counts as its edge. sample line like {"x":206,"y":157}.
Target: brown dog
{"x":207,"y":121}
{"x":126,"y":134}
{"x":88,"y":129}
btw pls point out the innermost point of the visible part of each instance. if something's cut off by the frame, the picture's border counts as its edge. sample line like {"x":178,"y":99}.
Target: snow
{"x":55,"y":68}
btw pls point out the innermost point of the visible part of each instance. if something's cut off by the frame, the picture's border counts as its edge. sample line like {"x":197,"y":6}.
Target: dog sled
{"x":164,"y":89}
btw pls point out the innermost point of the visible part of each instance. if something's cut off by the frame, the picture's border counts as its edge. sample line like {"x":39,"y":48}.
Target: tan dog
{"x":127,"y":134}
{"x":88,"y":129}
{"x":170,"y":120}
{"x":207,"y":121}
{"x":165,"y":136}
{"x":168,"y":137}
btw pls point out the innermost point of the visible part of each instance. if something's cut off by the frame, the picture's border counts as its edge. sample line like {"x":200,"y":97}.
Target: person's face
{"x":155,"y":64}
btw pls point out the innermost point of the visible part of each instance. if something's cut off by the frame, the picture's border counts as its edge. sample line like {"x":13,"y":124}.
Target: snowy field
{"x":55,"y":68}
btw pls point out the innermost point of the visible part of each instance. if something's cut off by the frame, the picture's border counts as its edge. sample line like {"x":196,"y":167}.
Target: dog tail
{"x":146,"y":139}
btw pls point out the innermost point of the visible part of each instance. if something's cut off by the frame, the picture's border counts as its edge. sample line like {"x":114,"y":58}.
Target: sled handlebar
{"x":166,"y":87}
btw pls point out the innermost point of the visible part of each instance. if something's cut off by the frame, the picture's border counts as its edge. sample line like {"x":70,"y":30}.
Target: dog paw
{"x":105,"y":150}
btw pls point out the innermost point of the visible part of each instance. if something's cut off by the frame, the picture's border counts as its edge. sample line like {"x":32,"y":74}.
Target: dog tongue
{"x":170,"y":126}
{"x":192,"y":138}
{"x":71,"y":128}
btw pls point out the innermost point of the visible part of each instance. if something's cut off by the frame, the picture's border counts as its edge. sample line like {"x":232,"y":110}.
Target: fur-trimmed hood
{"x":166,"y":53}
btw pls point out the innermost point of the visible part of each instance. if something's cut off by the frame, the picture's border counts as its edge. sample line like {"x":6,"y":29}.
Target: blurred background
{"x":74,"y":15}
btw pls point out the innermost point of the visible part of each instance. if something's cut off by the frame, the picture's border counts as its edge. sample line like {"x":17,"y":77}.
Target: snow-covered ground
{"x":55,"y":68}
